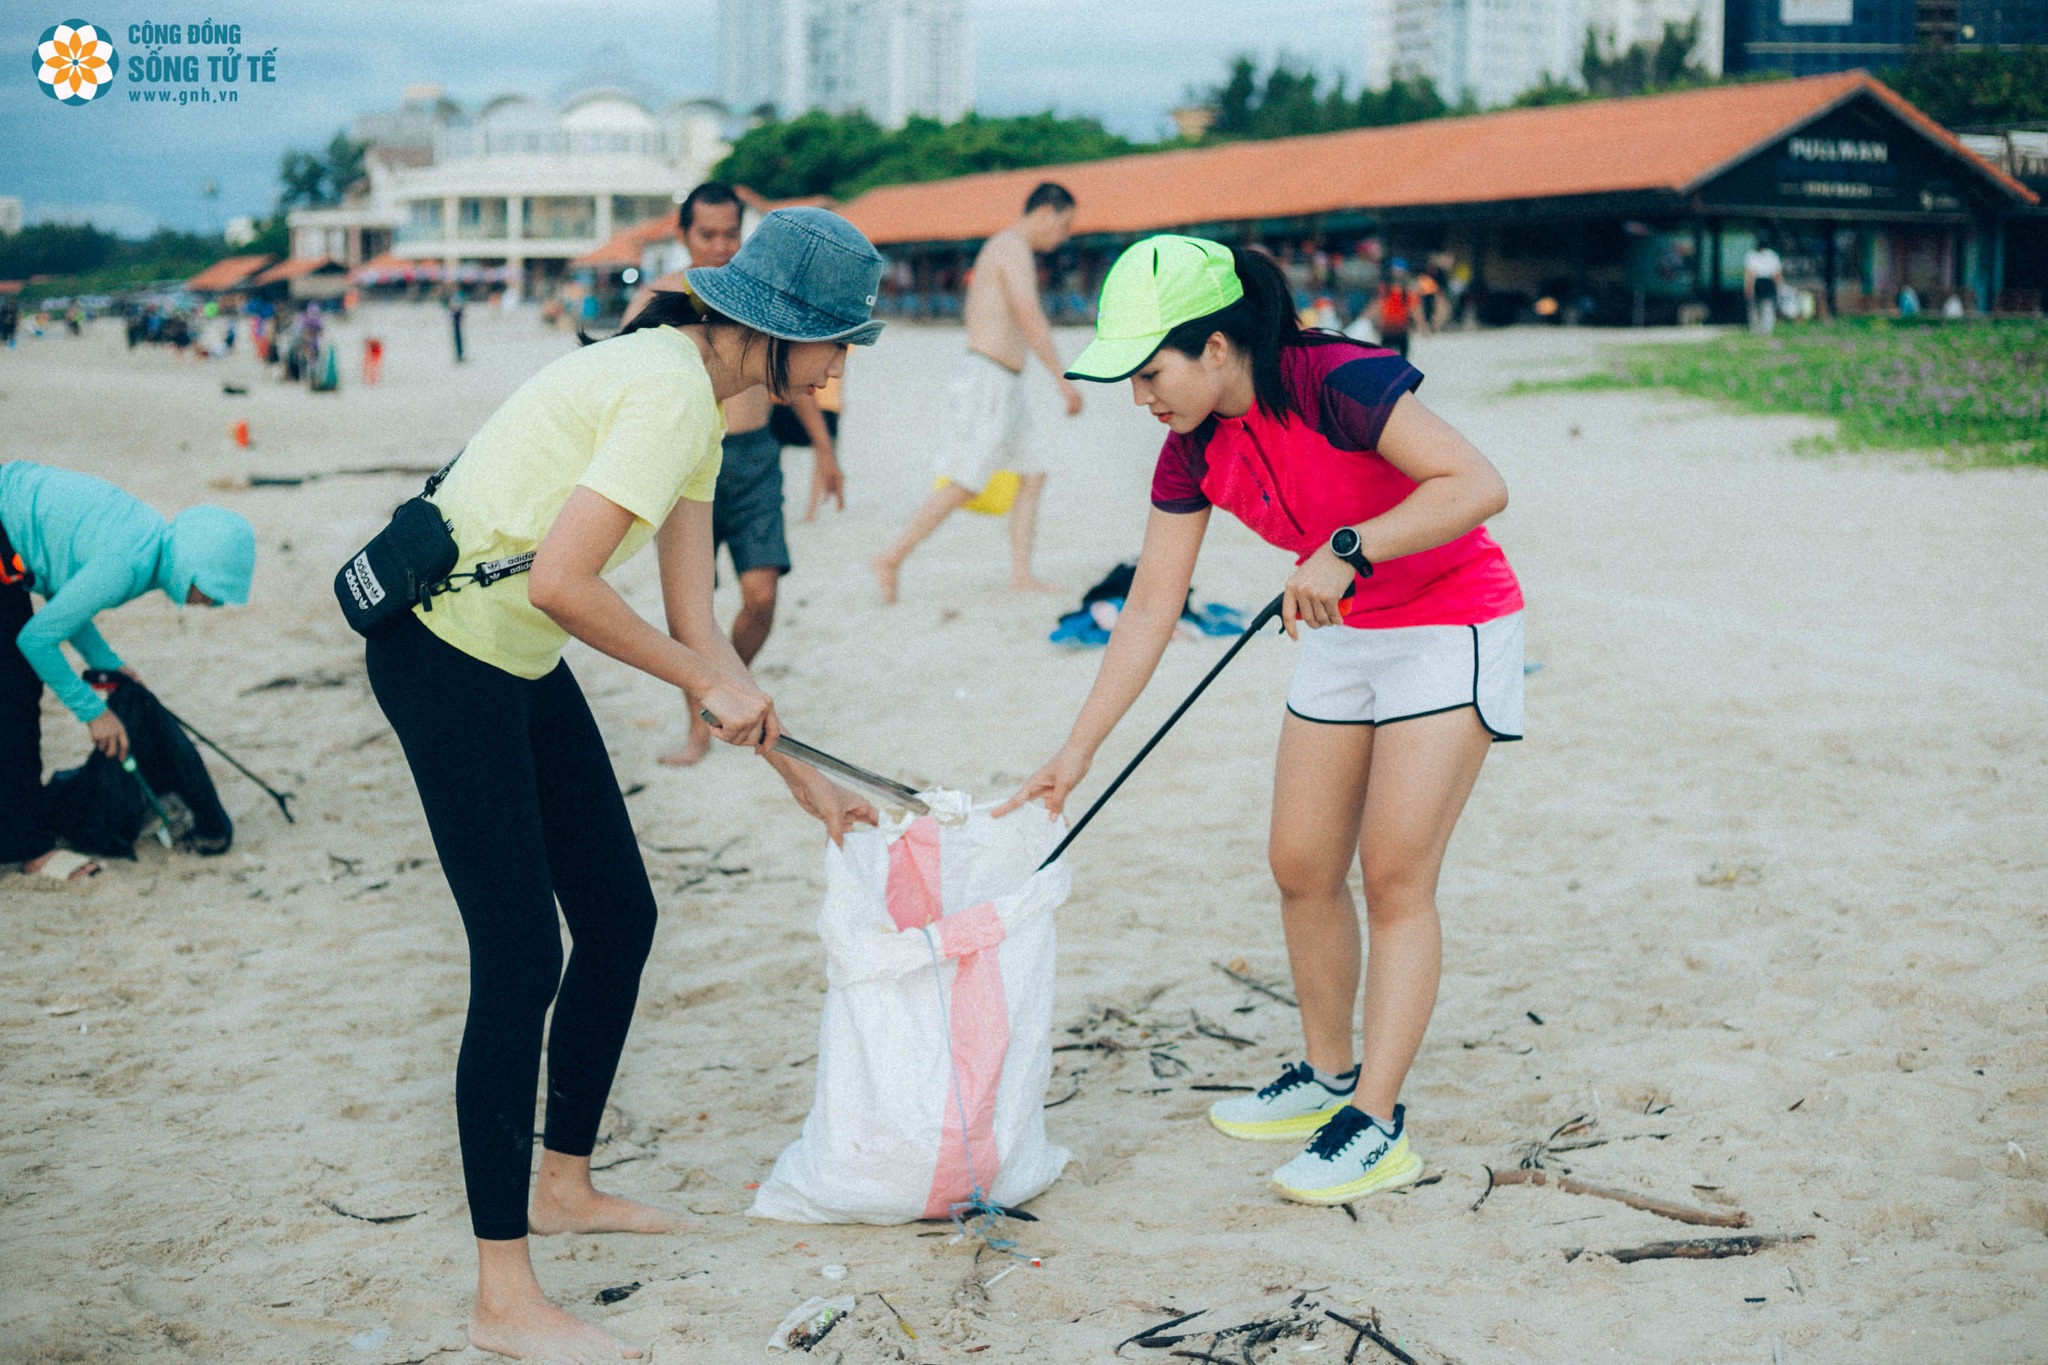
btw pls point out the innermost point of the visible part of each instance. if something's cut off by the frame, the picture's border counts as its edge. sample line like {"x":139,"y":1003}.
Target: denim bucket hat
{"x":805,"y":274}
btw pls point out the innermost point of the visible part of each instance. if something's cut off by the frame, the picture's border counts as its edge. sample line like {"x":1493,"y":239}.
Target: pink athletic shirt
{"x":1294,"y":482}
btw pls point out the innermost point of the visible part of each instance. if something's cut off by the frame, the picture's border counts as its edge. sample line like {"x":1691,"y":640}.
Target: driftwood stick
{"x":1253,"y":983}
{"x":1365,"y":1330}
{"x":1678,"y":1212}
{"x":1152,"y":1331}
{"x":1492,"y":1179}
{"x":1696,"y":1249}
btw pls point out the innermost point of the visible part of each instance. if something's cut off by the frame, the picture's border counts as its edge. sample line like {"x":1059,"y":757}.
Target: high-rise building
{"x":891,"y":58}
{"x":1806,"y":37}
{"x":1493,"y":50}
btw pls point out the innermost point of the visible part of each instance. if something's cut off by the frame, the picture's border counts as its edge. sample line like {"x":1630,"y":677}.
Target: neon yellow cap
{"x":1154,"y":287}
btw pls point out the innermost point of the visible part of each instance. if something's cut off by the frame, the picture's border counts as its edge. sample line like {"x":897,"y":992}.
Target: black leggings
{"x":524,"y":810}
{"x":23,"y":834}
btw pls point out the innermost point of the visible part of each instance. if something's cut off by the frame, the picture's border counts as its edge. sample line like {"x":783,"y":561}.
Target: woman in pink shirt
{"x":1410,"y":666}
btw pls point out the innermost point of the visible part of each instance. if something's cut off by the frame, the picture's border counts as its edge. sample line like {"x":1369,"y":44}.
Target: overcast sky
{"x":129,"y":166}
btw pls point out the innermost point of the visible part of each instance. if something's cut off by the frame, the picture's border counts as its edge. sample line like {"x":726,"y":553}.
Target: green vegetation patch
{"x":1976,"y":390}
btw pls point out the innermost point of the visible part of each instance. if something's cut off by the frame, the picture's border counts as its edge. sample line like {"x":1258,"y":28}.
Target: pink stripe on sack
{"x":913,"y":890}
{"x":981,"y":1039}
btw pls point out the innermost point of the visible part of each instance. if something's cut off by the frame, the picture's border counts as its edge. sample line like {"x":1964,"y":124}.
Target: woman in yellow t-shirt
{"x":601,"y":452}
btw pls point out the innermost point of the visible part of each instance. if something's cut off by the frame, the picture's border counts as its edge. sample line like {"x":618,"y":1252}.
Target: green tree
{"x":1639,"y":69}
{"x":54,"y":249}
{"x":320,"y":179}
{"x":842,"y":155}
{"x":1973,"y":88}
{"x":1289,"y":101}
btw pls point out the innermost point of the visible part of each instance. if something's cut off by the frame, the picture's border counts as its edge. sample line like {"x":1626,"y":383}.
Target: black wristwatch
{"x":1344,"y":545}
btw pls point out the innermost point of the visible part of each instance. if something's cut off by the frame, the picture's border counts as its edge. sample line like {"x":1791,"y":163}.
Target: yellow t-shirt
{"x":633,"y":419}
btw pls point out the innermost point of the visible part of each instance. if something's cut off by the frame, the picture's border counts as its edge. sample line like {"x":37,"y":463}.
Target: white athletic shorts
{"x":988,"y":423}
{"x":1348,"y":676}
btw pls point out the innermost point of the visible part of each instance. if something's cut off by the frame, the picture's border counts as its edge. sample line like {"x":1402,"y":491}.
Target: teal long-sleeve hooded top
{"x":91,"y":546}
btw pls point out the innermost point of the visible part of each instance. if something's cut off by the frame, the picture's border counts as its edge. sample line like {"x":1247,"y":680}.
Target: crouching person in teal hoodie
{"x":85,"y":546}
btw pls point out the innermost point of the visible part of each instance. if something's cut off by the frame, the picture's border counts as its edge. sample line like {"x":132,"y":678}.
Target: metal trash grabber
{"x":282,"y":798}
{"x":1272,"y":610}
{"x":163,"y":817}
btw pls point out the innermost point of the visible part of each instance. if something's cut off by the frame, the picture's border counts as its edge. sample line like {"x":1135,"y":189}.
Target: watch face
{"x":1345,"y":542}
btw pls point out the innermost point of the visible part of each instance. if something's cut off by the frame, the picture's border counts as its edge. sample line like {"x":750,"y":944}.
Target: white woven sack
{"x":882,"y":1143}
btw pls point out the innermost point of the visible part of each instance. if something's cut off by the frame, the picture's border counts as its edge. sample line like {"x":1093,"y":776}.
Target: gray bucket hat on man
{"x":805,"y":274}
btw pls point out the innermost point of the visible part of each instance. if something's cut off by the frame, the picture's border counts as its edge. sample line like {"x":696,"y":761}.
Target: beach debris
{"x":1570,"y":1136}
{"x":1697,"y":1248}
{"x":370,"y":1339}
{"x":64,"y":1007}
{"x":618,"y":1293}
{"x":372,"y":1218}
{"x":239,"y":432}
{"x":1240,"y":972}
{"x":1119,"y":1030}
{"x":832,"y":1272}
{"x":1725,"y":874}
{"x":1154,"y":1338}
{"x":234,"y":390}
{"x":309,"y":681}
{"x":1300,"y":1324}
{"x":1371,"y":1329}
{"x":901,"y":1321}
{"x":1681,"y":1213}
{"x":1072,"y":1091}
{"x":810,"y":1324}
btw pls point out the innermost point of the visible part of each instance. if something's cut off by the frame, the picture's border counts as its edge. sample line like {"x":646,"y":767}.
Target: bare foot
{"x":1034,"y":585}
{"x":885,"y":574}
{"x":592,"y":1210}
{"x":693,"y":750}
{"x":531,"y":1328}
{"x":83,"y":872}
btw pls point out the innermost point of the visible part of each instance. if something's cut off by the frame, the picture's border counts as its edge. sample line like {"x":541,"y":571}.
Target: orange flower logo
{"x":74,"y":63}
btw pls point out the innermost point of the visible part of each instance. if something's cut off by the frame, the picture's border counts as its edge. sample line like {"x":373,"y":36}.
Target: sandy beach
{"x":1755,"y":915}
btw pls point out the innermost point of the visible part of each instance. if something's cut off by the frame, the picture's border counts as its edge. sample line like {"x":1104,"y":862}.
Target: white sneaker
{"x":1350,"y":1157}
{"x":1293,"y":1106}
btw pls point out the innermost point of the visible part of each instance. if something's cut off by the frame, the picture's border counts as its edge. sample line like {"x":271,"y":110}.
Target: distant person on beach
{"x":1763,"y":274}
{"x":85,"y":546}
{"x":455,"y":322}
{"x":373,"y":360}
{"x":1398,"y":310}
{"x":746,"y":514}
{"x":1410,"y":669}
{"x":988,"y":414}
{"x":604,"y":450}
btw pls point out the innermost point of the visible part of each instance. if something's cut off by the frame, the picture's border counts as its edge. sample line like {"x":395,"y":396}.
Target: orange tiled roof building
{"x":1624,"y":209}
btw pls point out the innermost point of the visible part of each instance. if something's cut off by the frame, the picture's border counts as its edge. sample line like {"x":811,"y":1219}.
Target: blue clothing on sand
{"x":90,"y":546}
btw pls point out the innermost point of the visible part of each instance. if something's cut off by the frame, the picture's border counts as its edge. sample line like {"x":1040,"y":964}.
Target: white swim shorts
{"x":988,"y":423}
{"x":1347,"y":676}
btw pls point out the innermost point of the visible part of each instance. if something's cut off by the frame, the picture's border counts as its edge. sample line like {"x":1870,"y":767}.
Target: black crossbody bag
{"x":411,"y":562}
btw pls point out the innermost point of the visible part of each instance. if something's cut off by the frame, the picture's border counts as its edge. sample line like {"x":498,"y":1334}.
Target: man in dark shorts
{"x":746,"y":511}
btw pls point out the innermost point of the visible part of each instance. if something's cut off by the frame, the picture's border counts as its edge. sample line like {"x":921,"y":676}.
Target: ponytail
{"x":674,"y":308}
{"x":1259,"y":326}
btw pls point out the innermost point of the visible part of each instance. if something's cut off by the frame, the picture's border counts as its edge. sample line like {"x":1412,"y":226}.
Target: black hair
{"x":674,"y":308}
{"x":1260,"y":325}
{"x":1048,"y":194}
{"x":710,"y":192}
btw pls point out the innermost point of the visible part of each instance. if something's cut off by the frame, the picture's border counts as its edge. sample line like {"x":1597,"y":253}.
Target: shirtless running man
{"x":746,"y":511}
{"x":989,"y":421}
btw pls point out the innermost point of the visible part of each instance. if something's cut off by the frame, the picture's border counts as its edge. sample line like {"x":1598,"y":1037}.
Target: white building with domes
{"x":514,"y":191}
